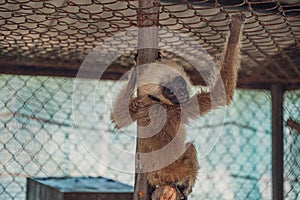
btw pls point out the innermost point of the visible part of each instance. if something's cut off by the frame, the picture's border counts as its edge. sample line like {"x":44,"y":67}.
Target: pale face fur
{"x":158,"y":75}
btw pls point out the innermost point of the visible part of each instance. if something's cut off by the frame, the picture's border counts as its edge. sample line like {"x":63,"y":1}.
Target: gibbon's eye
{"x":169,"y":92}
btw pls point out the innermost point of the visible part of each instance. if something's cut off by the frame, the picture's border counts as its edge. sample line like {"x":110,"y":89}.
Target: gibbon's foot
{"x":164,"y":193}
{"x":181,"y":192}
{"x":169,"y":193}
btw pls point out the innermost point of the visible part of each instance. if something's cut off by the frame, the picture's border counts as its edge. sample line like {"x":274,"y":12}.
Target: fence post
{"x":277,"y":141}
{"x":148,"y":21}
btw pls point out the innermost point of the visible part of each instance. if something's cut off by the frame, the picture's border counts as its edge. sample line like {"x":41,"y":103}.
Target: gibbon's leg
{"x":229,"y":65}
{"x":176,"y":180}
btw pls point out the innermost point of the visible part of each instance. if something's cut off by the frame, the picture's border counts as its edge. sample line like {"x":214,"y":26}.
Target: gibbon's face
{"x":164,"y":86}
{"x":171,"y":93}
{"x":175,"y":91}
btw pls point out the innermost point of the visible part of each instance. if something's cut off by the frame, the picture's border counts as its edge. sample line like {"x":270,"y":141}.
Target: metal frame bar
{"x":277,"y":92}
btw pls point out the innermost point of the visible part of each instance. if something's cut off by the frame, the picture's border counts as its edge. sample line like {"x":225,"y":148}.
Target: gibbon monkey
{"x":164,"y":107}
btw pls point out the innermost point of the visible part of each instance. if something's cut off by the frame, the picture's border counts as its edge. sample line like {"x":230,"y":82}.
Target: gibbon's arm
{"x":125,"y":109}
{"x":222,"y":93}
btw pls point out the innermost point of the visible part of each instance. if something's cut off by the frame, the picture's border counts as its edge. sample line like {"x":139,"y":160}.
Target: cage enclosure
{"x":62,"y":61}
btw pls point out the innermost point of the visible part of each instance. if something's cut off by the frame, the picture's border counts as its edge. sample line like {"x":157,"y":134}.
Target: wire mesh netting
{"x":45,"y":131}
{"x":58,"y":34}
{"x":41,"y":136}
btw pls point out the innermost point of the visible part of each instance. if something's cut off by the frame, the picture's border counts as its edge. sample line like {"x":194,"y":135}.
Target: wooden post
{"x":277,"y":141}
{"x":148,"y":21}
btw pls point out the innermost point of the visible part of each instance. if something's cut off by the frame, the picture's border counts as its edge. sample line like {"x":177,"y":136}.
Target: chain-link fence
{"x":45,"y":131}
{"x":41,"y":135}
{"x":47,"y":35}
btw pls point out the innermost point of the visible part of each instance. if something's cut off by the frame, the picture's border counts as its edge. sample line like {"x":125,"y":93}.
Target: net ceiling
{"x":41,"y":37}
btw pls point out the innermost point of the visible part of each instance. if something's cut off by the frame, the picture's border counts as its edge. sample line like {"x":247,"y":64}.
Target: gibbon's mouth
{"x":153,"y":98}
{"x":174,"y":100}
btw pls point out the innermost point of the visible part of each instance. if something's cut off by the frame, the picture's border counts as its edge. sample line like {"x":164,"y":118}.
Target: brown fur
{"x":170,"y":119}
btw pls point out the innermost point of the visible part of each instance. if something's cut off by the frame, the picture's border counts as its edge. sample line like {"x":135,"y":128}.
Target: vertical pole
{"x":277,"y":141}
{"x":148,"y":21}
